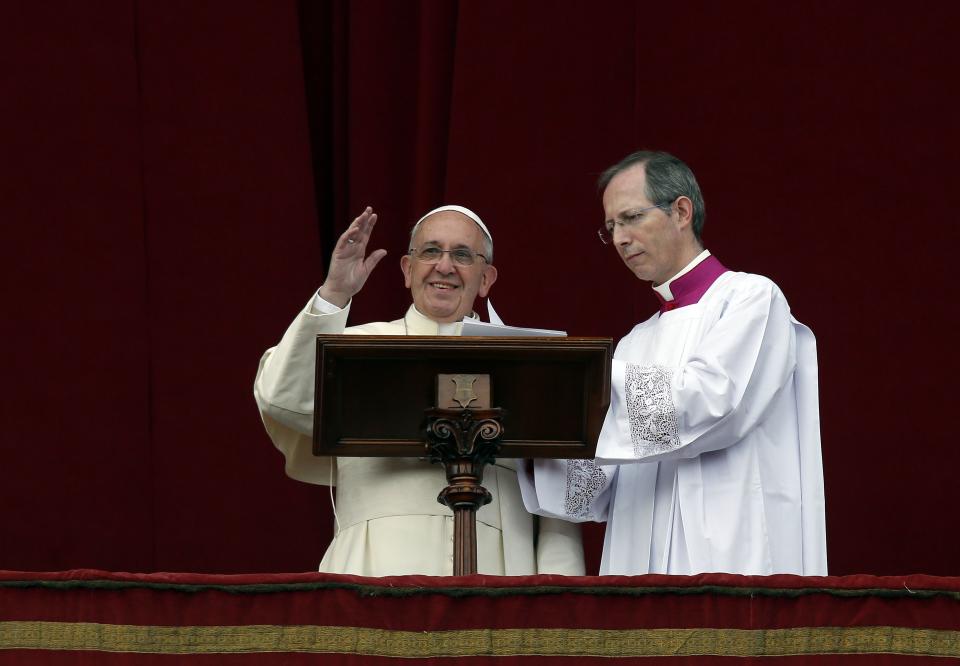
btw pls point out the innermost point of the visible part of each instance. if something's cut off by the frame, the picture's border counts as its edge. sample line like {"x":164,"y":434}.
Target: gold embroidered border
{"x":479,"y":642}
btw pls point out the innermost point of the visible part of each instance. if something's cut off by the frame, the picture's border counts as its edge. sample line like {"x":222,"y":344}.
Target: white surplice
{"x":709,"y":457}
{"x":389,"y":520}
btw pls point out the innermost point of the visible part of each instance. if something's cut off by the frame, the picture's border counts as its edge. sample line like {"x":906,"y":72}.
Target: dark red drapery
{"x":172,"y":171}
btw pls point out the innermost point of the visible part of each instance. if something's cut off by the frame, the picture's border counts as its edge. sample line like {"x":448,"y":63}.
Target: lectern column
{"x":464,"y":440}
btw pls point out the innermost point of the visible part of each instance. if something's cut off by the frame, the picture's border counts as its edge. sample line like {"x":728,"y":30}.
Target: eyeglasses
{"x":431,"y":254}
{"x":629,"y":219}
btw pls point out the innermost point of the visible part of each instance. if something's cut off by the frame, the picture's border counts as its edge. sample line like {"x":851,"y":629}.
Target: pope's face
{"x":651,"y":243}
{"x":445,"y":291}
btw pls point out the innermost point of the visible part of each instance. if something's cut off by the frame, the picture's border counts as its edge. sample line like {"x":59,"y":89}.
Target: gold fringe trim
{"x":478,"y":642}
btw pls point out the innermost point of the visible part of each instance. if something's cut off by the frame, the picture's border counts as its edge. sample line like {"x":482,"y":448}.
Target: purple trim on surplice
{"x":690,"y":287}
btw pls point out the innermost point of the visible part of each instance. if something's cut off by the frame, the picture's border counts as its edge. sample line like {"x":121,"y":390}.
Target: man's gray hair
{"x":667,"y":178}
{"x":466,"y":212}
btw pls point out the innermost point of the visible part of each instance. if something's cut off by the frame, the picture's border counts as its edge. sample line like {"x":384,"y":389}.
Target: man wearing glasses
{"x":709,"y":457}
{"x":388,"y":521}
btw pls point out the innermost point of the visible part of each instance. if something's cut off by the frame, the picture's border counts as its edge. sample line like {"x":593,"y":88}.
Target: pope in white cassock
{"x":388,"y":519}
{"x":709,"y":457}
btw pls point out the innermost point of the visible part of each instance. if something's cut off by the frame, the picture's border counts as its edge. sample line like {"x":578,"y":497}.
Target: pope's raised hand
{"x":349,"y":264}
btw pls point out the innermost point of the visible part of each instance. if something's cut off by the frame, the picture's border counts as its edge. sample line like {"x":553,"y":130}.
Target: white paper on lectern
{"x":472,"y":327}
{"x":492,"y":314}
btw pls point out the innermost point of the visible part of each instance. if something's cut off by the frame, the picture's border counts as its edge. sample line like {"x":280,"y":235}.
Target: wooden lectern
{"x":460,"y":401}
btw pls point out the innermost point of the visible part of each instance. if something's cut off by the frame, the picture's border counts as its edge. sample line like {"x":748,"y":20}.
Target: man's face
{"x":652,"y":244}
{"x":445,"y":291}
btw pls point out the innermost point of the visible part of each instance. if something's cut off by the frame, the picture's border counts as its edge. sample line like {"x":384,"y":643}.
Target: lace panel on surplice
{"x":650,"y":410}
{"x":585,"y":480}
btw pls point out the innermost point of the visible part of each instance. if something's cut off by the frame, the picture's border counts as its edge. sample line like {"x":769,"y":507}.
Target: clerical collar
{"x":690,"y":284}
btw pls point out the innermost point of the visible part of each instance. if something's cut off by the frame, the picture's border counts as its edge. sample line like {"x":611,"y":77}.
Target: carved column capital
{"x":464,"y":440}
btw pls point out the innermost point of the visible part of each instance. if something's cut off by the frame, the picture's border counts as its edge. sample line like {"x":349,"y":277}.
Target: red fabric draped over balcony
{"x":84,"y":616}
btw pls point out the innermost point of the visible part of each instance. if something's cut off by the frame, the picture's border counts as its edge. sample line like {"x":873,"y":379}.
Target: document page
{"x":473,"y":327}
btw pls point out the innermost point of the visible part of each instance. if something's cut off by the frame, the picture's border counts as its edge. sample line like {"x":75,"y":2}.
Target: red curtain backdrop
{"x":173,"y":173}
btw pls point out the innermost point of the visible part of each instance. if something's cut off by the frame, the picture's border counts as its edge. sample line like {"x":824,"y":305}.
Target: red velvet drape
{"x":174,"y":171}
{"x":94,"y":617}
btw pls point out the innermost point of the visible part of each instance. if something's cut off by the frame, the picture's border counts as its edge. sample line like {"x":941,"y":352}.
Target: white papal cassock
{"x":390,"y":522}
{"x":709,"y":457}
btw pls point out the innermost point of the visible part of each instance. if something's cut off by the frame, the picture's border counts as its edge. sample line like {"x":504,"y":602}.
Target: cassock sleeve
{"x":722,"y":391}
{"x":283,"y":390}
{"x":573,"y":490}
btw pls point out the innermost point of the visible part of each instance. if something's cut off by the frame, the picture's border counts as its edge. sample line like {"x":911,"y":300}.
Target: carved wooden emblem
{"x":463,"y":391}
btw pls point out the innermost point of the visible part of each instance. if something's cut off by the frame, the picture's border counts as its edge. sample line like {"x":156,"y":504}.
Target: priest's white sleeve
{"x":574,"y":490}
{"x":732,"y":374}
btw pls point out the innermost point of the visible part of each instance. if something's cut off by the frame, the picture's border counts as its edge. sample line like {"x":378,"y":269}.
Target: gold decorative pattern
{"x":478,"y":642}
